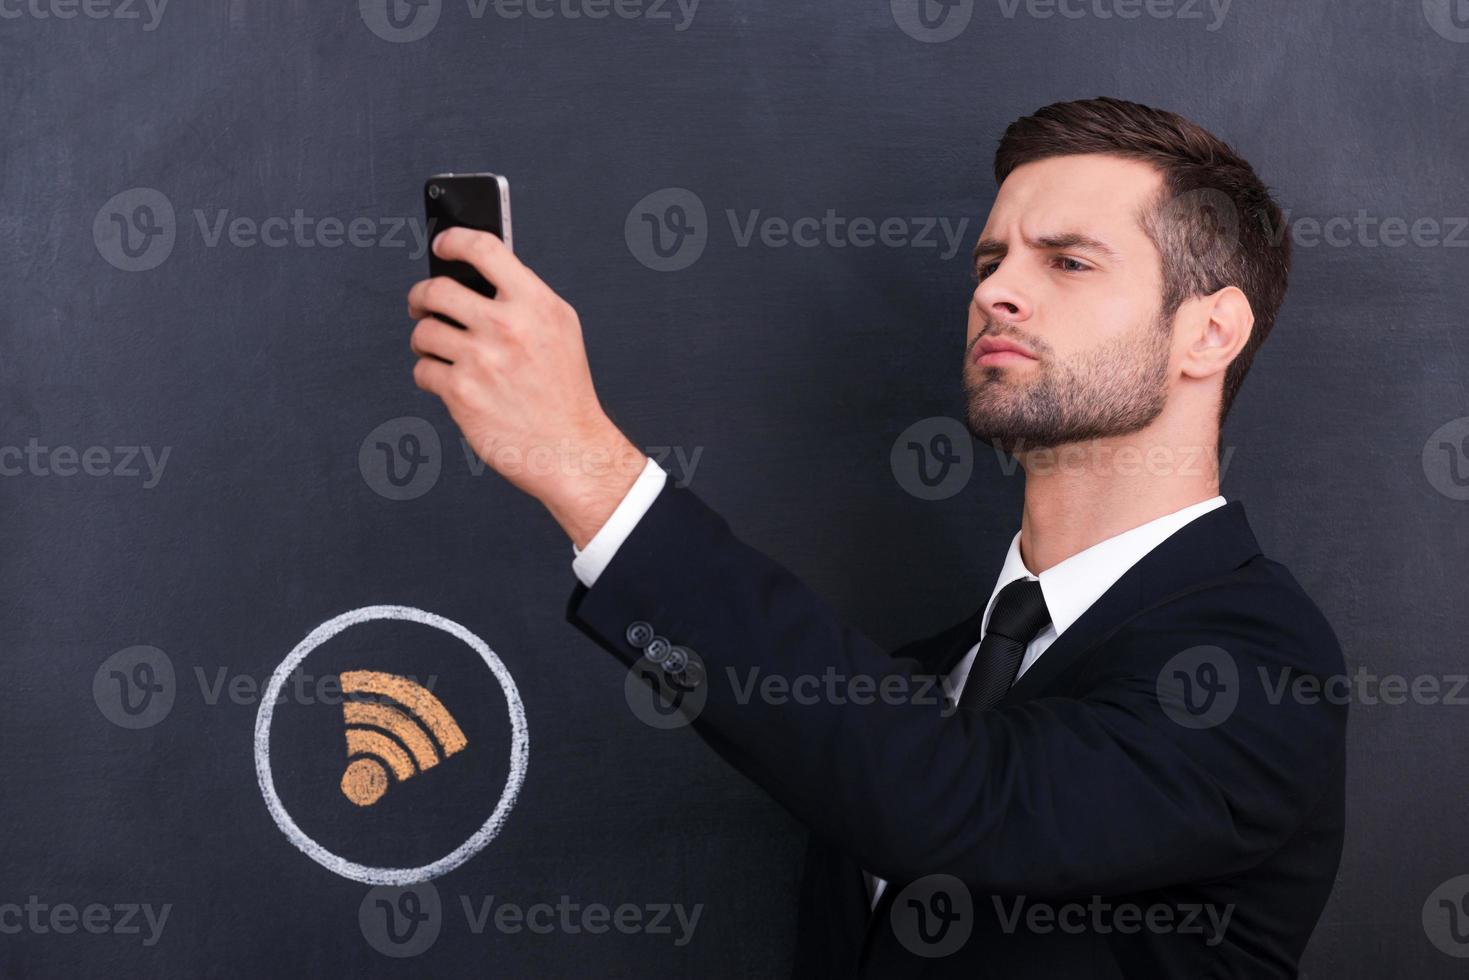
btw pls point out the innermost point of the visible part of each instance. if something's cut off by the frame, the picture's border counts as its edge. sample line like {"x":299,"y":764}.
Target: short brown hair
{"x":1201,"y":173}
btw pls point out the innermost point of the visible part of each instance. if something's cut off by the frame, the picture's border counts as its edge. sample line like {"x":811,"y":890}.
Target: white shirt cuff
{"x":589,"y":562}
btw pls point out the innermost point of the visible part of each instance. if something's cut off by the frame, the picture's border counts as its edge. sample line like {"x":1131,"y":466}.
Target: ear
{"x":1218,"y":326}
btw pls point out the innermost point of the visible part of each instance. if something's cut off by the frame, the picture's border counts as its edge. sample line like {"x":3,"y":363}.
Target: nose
{"x":1001,"y":296}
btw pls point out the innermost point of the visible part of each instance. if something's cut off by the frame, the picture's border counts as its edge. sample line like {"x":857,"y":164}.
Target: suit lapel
{"x":942,"y":655}
{"x":1206,"y":547}
{"x":1203,"y":549}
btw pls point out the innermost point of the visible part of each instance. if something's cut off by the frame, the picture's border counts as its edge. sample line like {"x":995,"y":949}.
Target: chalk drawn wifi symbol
{"x":383,"y":737}
{"x":369,"y":874}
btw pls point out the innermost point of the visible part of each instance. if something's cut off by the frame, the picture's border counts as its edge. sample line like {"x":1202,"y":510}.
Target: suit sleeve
{"x":1105,"y":791}
{"x":587,"y":563}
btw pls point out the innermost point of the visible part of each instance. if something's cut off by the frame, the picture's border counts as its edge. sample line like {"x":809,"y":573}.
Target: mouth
{"x":998,"y":352}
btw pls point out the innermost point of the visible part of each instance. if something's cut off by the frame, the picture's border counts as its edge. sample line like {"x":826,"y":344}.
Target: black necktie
{"x":1020,"y":613}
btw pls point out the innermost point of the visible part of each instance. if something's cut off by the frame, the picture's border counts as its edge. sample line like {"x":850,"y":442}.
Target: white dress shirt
{"x":1069,"y":587}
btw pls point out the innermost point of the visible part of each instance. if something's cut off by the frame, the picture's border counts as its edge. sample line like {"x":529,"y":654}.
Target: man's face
{"x":1066,"y":271}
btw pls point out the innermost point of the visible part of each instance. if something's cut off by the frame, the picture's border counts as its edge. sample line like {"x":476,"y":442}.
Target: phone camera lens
{"x":435,"y":191}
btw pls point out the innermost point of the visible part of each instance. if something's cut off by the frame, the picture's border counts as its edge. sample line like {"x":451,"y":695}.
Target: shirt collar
{"x":1070,"y":587}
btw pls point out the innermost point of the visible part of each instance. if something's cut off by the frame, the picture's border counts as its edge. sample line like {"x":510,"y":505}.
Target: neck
{"x":1086,"y":492}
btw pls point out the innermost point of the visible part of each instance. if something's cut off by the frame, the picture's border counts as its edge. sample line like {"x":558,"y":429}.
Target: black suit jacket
{"x":1159,"y":795}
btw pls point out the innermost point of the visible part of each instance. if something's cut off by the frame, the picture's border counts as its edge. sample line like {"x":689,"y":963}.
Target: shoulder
{"x":1259,"y":609}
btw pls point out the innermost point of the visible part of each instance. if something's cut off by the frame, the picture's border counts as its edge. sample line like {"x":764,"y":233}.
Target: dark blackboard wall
{"x":265,"y":369}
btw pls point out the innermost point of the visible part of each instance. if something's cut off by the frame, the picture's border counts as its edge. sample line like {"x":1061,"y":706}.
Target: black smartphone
{"x":478,"y":201}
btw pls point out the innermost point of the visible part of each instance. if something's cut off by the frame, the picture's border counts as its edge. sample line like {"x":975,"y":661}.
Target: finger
{"x":432,"y":376}
{"x":446,"y":297}
{"x":435,"y":338}
{"x":488,"y":254}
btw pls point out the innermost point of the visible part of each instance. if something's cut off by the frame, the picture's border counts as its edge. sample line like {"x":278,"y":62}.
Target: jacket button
{"x":639,"y":633}
{"x":676,"y":661}
{"x":657,"y":649}
{"x":692,"y":674}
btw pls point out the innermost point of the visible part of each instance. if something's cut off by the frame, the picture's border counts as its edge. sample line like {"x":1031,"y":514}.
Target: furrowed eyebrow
{"x":1073,"y":240}
{"x":991,"y":248}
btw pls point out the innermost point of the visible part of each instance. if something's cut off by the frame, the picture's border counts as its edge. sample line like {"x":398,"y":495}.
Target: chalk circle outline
{"x":368,"y":875}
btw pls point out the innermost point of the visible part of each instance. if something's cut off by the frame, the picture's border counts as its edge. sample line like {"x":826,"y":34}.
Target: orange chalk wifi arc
{"x":394,"y":739}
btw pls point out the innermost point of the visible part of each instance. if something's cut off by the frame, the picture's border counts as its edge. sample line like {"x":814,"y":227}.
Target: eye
{"x":985,"y":270}
{"x":1068,"y":264}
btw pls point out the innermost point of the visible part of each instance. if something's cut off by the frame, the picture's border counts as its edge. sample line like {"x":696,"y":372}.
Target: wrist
{"x":607,"y":467}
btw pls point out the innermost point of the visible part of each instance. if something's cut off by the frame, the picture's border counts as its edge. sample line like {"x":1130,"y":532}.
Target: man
{"x":1131,"y":783}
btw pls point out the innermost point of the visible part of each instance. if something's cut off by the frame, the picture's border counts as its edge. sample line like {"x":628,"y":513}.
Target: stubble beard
{"x":1114,"y":389}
